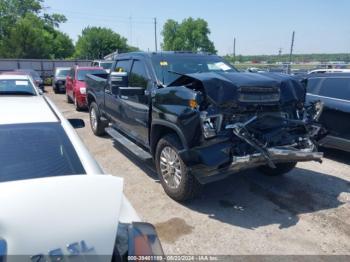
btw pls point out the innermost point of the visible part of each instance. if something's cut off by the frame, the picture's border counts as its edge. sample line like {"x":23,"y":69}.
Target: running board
{"x":129,"y":145}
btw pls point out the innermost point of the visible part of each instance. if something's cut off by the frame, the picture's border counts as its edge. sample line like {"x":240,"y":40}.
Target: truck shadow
{"x":251,"y":200}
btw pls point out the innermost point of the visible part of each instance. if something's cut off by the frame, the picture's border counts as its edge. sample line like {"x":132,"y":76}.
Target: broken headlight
{"x":211,"y":125}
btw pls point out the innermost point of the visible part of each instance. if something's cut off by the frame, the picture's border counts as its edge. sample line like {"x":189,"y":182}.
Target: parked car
{"x":332,"y":70}
{"x":57,"y":191}
{"x":76,"y":87}
{"x":17,"y":85}
{"x":59,"y":80}
{"x":105,"y":64}
{"x":200,"y":119}
{"x":39,"y":82}
{"x":334,"y":91}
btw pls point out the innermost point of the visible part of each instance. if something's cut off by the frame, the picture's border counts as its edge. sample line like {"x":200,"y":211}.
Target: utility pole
{"x":291,"y":54}
{"x":155,"y":34}
{"x":234,"y":49}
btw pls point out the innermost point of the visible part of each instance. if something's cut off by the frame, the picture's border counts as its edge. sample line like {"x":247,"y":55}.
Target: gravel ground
{"x":305,"y":212}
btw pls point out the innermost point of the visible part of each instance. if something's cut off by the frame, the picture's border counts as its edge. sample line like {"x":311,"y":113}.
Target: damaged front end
{"x":249,"y":121}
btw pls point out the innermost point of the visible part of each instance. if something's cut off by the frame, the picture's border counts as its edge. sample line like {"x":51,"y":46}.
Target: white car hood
{"x":41,"y":215}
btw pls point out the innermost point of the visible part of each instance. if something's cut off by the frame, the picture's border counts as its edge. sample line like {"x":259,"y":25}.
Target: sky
{"x":260,"y":26}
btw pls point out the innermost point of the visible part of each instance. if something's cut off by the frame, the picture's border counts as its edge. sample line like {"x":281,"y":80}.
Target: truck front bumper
{"x":216,"y":162}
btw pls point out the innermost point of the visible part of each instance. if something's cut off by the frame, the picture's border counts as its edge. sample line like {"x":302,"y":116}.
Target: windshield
{"x":62,"y":72}
{"x":82,"y":73}
{"x":106,"y":65}
{"x":16,"y":86}
{"x":166,"y":66}
{"x":36,"y":150}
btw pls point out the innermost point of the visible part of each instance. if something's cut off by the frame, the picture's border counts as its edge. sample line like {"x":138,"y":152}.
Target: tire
{"x":281,"y":169}
{"x":188,"y":187}
{"x":98,"y":127}
{"x":69,"y":100}
{"x":55,"y":90}
{"x":76,"y":105}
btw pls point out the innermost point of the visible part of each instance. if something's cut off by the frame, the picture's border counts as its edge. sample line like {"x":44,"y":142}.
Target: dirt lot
{"x":304,"y":212}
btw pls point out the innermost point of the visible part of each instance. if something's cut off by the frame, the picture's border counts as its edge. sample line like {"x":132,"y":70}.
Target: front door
{"x":135,"y":113}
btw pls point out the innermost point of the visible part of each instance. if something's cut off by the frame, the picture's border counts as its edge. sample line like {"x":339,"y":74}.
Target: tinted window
{"x":36,"y":150}
{"x":13,"y":86}
{"x":335,"y":87}
{"x":123,"y":66}
{"x":82,"y":73}
{"x":138,"y":76}
{"x":187,"y":64}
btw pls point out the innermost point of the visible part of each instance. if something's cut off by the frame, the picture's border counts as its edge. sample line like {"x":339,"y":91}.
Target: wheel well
{"x":90,"y":99}
{"x":157,"y":132}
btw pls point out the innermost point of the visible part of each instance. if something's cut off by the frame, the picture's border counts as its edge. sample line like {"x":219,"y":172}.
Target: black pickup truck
{"x":202,"y":120}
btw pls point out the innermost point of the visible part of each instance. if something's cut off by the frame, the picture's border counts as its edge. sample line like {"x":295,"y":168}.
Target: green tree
{"x":27,"y":32}
{"x":28,"y":41}
{"x":97,"y":42}
{"x":190,"y":35}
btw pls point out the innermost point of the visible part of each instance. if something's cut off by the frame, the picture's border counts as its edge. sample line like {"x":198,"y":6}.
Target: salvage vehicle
{"x":59,"y":79}
{"x":76,"y":87}
{"x":55,"y":201}
{"x":334,"y":91}
{"x":200,"y":119}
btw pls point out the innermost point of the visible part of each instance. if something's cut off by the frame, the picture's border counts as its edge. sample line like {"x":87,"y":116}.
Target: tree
{"x":190,"y":35}
{"x":28,"y":41}
{"x":97,"y":42}
{"x":27,"y":32}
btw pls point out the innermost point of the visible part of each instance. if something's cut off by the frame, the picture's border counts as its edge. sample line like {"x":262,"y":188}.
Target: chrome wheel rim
{"x":170,"y":167}
{"x":93,"y":119}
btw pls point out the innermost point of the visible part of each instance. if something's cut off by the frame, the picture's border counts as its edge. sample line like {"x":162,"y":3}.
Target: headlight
{"x":211,"y":125}
{"x":83,"y":90}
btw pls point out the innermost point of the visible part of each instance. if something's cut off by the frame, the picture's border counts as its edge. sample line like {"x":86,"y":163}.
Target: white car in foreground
{"x":55,"y":204}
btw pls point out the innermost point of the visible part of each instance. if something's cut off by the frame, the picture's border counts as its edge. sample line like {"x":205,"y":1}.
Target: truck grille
{"x":259,"y":94}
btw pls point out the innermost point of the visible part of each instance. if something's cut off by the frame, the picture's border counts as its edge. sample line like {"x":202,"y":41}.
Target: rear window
{"x":36,"y":150}
{"x":106,"y":65}
{"x":334,"y":87}
{"x":82,"y":73}
{"x":62,"y":72}
{"x":16,"y":87}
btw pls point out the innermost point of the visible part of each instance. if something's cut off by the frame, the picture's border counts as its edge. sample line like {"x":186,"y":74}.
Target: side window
{"x":313,"y":85}
{"x":138,"y":76}
{"x":122,"y":66}
{"x":336,"y":88}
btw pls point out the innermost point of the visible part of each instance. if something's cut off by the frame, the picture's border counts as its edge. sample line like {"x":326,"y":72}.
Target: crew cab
{"x":55,"y":200}
{"x":202,"y":120}
{"x":76,"y":87}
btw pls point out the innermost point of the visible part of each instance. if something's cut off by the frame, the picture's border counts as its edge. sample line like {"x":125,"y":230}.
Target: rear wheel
{"x":76,"y":104}
{"x":69,"y":100}
{"x":174,"y":175}
{"x":281,"y":169}
{"x":97,"y":126}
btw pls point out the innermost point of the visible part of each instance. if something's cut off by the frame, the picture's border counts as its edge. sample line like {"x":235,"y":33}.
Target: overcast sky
{"x":260,"y":26}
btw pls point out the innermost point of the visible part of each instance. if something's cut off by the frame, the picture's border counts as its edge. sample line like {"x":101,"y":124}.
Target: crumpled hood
{"x":223,"y":88}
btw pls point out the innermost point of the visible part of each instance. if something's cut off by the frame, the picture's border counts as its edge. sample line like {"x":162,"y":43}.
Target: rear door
{"x":112,"y":99}
{"x":335,"y":94}
{"x":136,"y":107}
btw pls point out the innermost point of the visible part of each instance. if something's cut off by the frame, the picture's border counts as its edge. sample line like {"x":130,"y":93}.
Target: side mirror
{"x":77,"y":122}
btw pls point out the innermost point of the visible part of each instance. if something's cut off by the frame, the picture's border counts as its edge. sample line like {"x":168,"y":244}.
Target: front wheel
{"x":97,"y":126}
{"x":281,"y":169}
{"x":174,"y":175}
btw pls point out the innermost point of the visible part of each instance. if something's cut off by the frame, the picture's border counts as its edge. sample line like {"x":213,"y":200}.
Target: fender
{"x":174,"y":127}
